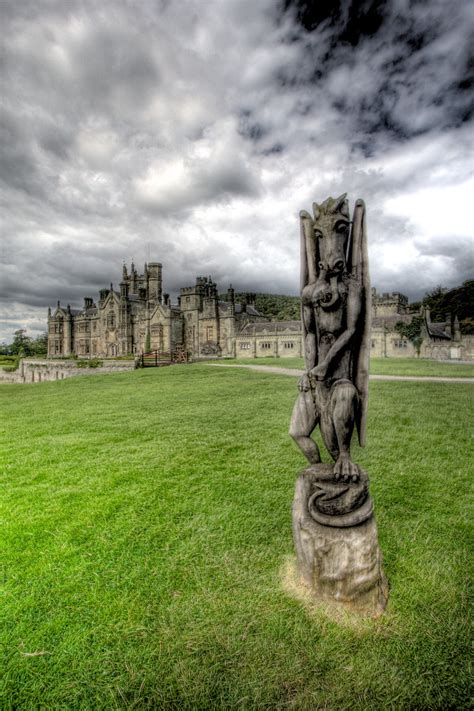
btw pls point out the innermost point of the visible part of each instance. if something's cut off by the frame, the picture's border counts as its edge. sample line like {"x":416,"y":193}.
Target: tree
{"x":454,"y":302}
{"x":411,"y":331}
{"x":276,"y":307}
{"x":39,"y":345}
{"x":21,"y":343}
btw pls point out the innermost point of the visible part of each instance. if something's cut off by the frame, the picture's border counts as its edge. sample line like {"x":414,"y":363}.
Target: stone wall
{"x":37,"y":371}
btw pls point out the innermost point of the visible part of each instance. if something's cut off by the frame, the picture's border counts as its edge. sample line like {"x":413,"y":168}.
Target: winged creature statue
{"x":335,"y":304}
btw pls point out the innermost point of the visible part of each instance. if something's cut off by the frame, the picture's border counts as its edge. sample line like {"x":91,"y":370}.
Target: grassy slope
{"x":147,"y":516}
{"x":381,"y":366}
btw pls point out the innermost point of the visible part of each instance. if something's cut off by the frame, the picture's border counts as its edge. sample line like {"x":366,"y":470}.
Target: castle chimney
{"x":231,"y":299}
{"x":448,"y":328}
{"x":457,"y":329}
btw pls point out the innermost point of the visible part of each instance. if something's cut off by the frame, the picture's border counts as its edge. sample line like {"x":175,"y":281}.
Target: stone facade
{"x":210,"y":326}
{"x":139,"y":318}
{"x":139,"y":314}
{"x":38,"y":371}
{"x":273,"y":338}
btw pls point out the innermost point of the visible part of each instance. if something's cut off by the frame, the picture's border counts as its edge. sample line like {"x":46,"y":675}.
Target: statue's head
{"x":331,"y":234}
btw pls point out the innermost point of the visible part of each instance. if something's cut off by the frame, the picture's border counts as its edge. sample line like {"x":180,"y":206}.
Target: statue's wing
{"x":308,"y":267}
{"x":358,"y":265}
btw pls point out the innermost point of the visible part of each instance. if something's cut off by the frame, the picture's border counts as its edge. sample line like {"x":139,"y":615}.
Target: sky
{"x":192,"y":132}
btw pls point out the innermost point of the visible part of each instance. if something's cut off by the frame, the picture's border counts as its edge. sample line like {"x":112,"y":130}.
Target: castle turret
{"x":153,"y":272}
{"x":68,"y":345}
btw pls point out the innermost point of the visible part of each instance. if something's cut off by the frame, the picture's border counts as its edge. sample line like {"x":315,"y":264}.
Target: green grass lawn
{"x":380,"y":366}
{"x":146,"y":519}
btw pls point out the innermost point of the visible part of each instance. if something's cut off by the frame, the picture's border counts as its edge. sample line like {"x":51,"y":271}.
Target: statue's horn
{"x":341,"y":205}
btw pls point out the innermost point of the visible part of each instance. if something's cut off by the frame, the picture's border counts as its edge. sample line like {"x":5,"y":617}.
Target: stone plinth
{"x":340,"y":562}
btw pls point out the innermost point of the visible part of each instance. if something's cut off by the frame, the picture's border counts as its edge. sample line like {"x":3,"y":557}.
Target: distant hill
{"x":453,"y":302}
{"x":277,"y":307}
{"x":458,"y":301}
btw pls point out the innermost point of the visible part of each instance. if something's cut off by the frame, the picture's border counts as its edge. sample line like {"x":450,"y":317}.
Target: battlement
{"x":388,"y":303}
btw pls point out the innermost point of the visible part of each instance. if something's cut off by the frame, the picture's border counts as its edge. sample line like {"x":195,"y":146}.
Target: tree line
{"x":25,"y":346}
{"x":443,"y":303}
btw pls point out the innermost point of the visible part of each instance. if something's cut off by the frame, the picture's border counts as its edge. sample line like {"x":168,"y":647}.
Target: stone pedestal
{"x":335,"y":534}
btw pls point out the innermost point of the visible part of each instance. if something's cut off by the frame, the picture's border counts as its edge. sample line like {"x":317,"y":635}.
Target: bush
{"x":9,"y":363}
{"x":94,"y":363}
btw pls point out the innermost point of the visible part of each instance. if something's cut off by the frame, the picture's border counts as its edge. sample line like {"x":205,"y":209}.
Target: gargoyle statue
{"x":335,"y":305}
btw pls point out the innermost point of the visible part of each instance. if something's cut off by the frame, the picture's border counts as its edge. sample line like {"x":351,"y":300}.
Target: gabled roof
{"x":438,"y":330}
{"x":270,"y":328}
{"x":247,"y":309}
{"x":390,"y":321}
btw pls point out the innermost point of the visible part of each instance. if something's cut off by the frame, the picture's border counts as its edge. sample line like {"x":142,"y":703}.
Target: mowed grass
{"x":421,"y":367}
{"x":146,"y":520}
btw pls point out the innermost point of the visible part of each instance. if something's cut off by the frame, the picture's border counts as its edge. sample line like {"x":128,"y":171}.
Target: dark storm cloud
{"x":418,"y":55}
{"x":192,"y":133}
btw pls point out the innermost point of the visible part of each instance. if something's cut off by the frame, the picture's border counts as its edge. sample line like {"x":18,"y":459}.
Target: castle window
{"x":111,"y":320}
{"x":209,"y":333}
{"x":288,"y":344}
{"x":188,"y":299}
{"x":400,"y":344}
{"x":373,"y":343}
{"x":245,"y":346}
{"x":266,"y":345}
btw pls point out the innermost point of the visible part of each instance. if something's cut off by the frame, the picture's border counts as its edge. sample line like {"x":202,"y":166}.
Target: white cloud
{"x":437,"y":211}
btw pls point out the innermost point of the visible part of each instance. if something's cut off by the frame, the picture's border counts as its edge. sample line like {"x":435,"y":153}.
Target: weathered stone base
{"x":341,"y":565}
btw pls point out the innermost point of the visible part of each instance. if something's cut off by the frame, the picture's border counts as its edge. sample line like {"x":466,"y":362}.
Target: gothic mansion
{"x":141,"y":317}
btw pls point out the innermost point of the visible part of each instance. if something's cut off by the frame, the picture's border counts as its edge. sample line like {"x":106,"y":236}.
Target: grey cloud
{"x":259,"y":109}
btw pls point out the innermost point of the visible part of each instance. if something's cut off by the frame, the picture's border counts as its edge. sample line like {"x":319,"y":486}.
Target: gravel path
{"x":294,"y":372}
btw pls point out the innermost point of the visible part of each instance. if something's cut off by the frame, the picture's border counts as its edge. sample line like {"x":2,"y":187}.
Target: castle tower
{"x":68,"y":345}
{"x":154,"y":281}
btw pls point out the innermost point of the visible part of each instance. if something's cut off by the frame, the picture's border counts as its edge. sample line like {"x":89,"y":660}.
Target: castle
{"x":139,"y":317}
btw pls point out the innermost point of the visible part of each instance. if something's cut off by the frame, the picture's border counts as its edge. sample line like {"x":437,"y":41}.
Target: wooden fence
{"x":155,"y":359}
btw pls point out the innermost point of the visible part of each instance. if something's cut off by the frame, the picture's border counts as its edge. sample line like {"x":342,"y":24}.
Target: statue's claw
{"x":345,"y":469}
{"x":304,"y":384}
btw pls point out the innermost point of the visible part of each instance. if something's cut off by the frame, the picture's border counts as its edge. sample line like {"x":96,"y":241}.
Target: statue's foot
{"x":345,"y":469}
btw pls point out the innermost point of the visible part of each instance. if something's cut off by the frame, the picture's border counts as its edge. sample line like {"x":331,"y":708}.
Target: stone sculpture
{"x":333,"y":524}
